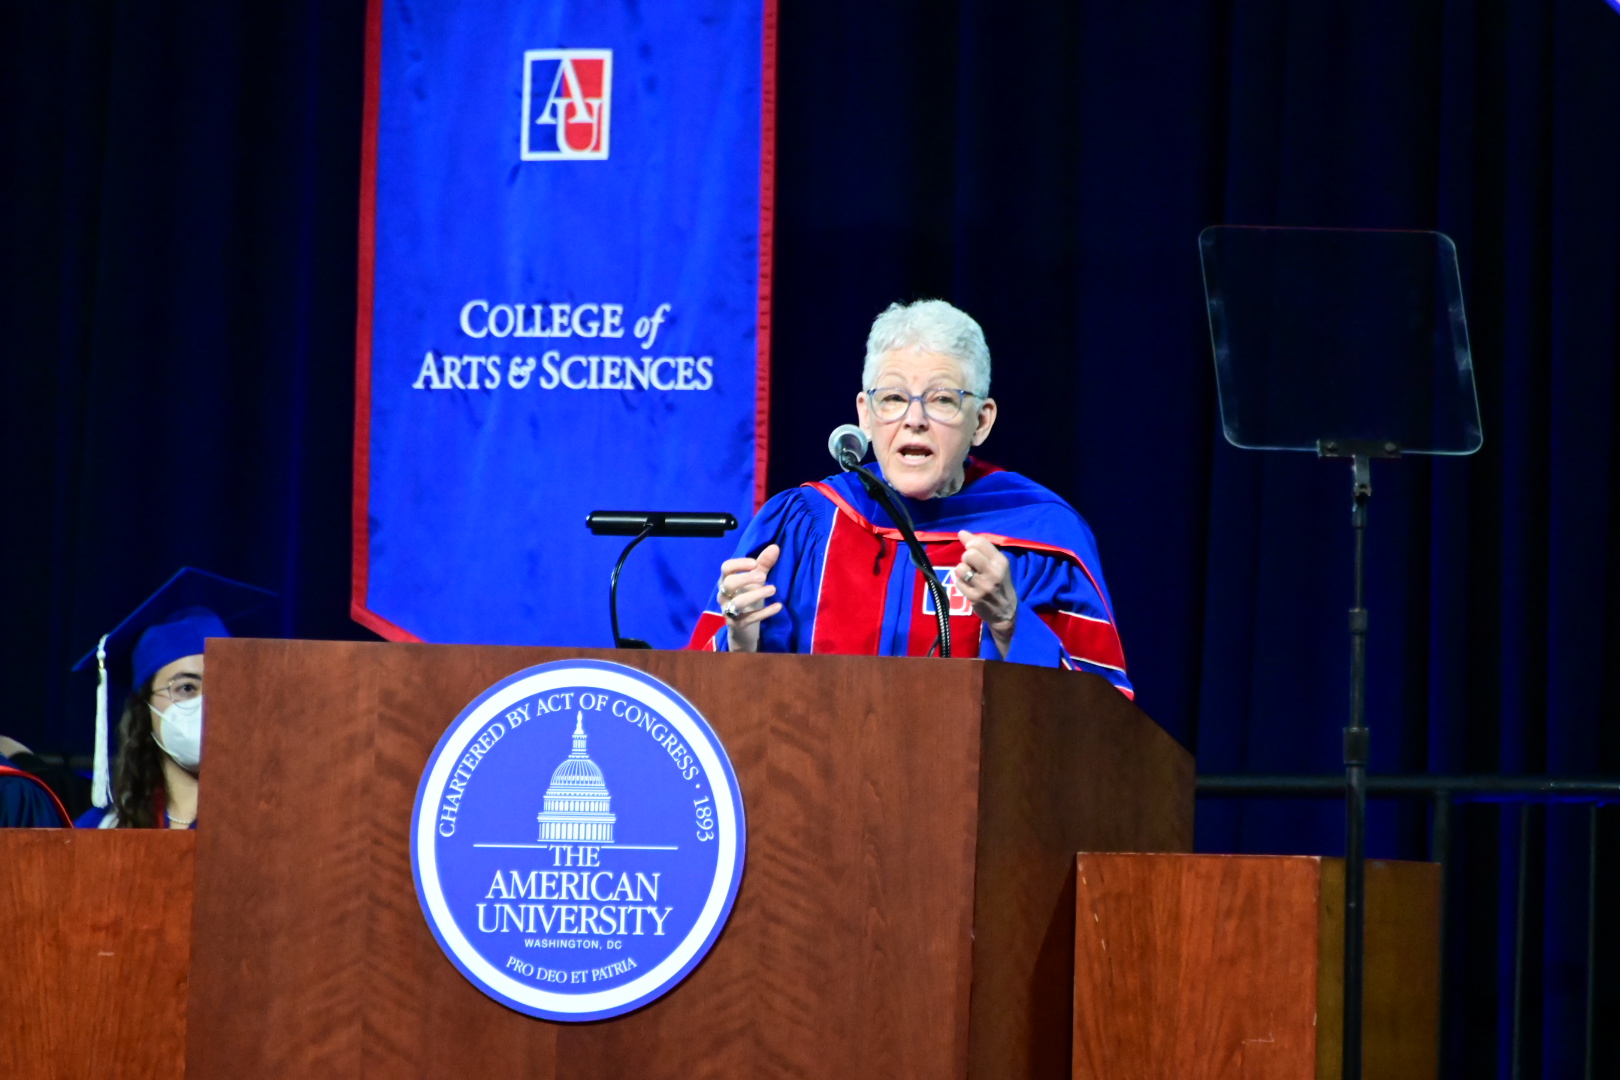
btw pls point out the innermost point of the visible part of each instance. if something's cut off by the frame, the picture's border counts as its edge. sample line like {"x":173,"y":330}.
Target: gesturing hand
{"x":743,"y":592}
{"x":985,"y":577}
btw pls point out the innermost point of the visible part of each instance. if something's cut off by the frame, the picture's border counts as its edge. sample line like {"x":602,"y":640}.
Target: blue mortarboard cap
{"x":228,"y":600}
{"x":171,"y":623}
{"x":182,"y":635}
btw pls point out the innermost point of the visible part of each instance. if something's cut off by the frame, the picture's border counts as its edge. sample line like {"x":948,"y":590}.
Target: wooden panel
{"x":848,"y":950}
{"x":1198,"y":965}
{"x":1401,"y":1003}
{"x":93,"y":974}
{"x":284,"y":880}
{"x":422,"y":1017}
{"x":1231,"y":966}
{"x":1069,"y":765}
{"x":865,"y":861}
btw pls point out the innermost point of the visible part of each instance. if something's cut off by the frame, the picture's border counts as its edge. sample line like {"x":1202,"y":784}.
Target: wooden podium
{"x":1220,"y":966}
{"x":906,"y":909}
{"x":93,"y":971}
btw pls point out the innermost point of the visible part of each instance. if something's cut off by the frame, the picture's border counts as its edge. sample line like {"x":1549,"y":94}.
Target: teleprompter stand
{"x":1357,"y":749}
{"x":1353,"y":344}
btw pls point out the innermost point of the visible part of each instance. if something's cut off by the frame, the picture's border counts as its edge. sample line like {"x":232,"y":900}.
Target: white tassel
{"x":101,"y":785}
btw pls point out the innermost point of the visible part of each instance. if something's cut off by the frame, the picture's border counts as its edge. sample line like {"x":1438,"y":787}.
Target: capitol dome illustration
{"x":577,"y":802}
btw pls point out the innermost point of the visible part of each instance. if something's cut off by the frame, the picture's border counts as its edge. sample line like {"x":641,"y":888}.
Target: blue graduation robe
{"x":97,"y":817}
{"x":847,"y":584}
{"x":105,"y":817}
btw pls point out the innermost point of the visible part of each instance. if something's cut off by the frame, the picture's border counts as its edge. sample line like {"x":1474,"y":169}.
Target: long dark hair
{"x":138,"y":772}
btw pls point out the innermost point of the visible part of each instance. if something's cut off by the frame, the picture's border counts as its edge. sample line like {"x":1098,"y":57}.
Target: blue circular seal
{"x":577,"y":840}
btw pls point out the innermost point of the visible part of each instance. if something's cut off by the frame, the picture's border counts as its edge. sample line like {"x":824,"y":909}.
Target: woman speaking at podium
{"x":823,"y":569}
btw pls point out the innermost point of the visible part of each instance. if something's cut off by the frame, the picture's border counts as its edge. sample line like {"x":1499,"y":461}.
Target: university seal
{"x":577,"y":840}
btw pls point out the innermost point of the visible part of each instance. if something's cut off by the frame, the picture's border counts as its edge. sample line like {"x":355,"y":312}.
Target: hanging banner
{"x":563,"y":307}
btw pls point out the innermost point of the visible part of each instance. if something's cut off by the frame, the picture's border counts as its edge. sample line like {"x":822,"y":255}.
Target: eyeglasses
{"x":182,"y":688}
{"x":939,"y":403}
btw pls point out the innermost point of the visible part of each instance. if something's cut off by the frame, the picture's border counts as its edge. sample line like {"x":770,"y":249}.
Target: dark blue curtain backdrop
{"x":177,"y":278}
{"x":177,"y":297}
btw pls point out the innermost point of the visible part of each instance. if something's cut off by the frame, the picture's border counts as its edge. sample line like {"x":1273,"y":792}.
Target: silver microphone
{"x":847,"y":444}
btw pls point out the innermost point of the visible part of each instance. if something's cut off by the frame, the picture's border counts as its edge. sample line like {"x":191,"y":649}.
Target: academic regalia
{"x":67,"y":784}
{"x":172,"y":623}
{"x":847,"y":585}
{"x":27,"y":802}
{"x":97,"y":817}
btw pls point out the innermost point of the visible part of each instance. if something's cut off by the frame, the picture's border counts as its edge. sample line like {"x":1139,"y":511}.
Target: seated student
{"x":160,"y":734}
{"x":155,"y":779}
{"x":26,"y":800}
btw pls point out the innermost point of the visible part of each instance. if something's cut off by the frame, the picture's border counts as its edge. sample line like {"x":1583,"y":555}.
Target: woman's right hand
{"x":743,"y":592}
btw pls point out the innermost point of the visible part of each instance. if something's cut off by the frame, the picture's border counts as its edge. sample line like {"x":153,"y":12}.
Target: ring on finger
{"x":967,"y":577}
{"x":730,"y":611}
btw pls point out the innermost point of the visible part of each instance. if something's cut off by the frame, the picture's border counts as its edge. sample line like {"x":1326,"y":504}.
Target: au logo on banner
{"x":577,"y":841}
{"x":567,"y":95}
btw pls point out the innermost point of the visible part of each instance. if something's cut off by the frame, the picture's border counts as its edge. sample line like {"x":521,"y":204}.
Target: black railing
{"x":1443,"y":792}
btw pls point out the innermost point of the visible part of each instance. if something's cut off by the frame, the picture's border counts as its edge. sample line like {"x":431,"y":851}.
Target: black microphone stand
{"x":886,"y":495}
{"x":642,"y":524}
{"x":613,"y":591}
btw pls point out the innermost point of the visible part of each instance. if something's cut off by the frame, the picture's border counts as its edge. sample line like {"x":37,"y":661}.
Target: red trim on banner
{"x":767,"y":228}
{"x":365,"y":291}
{"x":379,"y":625}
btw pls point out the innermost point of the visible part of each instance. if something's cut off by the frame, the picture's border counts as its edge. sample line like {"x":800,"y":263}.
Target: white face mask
{"x":182,"y":732}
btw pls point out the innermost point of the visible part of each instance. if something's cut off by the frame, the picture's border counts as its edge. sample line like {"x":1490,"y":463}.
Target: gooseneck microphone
{"x":847,"y":444}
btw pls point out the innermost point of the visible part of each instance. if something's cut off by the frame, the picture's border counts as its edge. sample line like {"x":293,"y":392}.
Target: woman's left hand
{"x":984,"y":576}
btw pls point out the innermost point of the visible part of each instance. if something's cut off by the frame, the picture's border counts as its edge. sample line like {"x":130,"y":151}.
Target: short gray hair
{"x":930,"y":326}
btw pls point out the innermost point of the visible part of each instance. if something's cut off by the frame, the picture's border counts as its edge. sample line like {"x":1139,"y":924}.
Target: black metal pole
{"x":613,"y":591}
{"x":1591,"y":933}
{"x":1355,"y":783}
{"x":1439,"y":850}
{"x":1518,"y":936}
